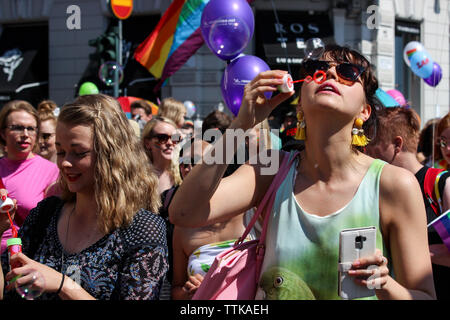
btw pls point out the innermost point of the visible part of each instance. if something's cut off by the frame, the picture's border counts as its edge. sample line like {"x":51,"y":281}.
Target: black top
{"x":127,"y":264}
{"x":441,"y":274}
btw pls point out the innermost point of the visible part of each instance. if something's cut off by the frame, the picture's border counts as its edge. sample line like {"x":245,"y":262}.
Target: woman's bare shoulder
{"x":397,"y":180}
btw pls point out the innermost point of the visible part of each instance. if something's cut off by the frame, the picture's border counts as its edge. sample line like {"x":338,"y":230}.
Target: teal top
{"x":302,"y":249}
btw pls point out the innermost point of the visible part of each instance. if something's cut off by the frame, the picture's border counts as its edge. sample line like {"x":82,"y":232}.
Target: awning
{"x":14,"y":64}
{"x":24,"y":62}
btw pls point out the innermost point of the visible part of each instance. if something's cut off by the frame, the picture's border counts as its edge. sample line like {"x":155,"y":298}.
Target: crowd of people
{"x":113,"y":208}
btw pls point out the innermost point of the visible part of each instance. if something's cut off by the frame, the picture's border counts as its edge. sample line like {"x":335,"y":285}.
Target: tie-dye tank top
{"x":302,"y":249}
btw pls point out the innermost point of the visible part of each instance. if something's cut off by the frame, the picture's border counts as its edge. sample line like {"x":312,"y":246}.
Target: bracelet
{"x":61,"y":285}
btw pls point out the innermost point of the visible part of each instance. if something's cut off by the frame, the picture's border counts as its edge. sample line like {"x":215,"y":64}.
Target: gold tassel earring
{"x":358,"y":137}
{"x":301,"y":127}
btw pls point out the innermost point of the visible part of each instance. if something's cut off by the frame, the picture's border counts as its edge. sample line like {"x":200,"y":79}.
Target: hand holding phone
{"x":354,"y":244}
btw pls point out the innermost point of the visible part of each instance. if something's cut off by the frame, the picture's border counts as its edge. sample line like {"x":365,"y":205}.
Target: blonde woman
{"x":93,"y":242}
{"x":47,"y":129}
{"x":174,"y":110}
{"x":158,"y":139}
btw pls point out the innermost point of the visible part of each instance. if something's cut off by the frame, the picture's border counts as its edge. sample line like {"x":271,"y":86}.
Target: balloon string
{"x":13,"y":227}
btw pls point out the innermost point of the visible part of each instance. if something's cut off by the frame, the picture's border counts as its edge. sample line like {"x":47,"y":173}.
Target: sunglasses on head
{"x":345,"y":70}
{"x":163,"y":138}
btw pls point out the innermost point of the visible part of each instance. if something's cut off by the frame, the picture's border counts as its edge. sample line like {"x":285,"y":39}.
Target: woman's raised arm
{"x":204,"y":197}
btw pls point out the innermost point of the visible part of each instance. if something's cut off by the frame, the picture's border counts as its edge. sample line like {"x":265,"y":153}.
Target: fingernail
{"x":357,"y":263}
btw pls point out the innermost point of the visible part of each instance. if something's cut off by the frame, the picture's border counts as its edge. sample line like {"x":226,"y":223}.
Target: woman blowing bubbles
{"x":99,"y":241}
{"x":331,"y":186}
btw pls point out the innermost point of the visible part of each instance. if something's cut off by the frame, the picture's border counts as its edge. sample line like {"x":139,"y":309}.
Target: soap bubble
{"x":107,"y":72}
{"x":190,"y":108}
{"x":33,"y":288}
{"x":314,"y":48}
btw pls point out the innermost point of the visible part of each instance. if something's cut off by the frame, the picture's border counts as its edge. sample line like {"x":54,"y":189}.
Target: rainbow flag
{"x":442,"y":225}
{"x":174,"y":40}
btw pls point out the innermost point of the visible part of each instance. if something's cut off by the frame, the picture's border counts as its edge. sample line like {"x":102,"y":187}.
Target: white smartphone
{"x":354,"y":244}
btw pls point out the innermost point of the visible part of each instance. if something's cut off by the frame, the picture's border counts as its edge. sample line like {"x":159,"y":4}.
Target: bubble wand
{"x":314,"y":49}
{"x":7,"y":204}
{"x":288,"y":84}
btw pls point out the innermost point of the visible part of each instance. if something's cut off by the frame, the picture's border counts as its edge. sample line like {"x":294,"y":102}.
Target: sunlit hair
{"x":47,"y":106}
{"x":147,"y":132}
{"x":172,"y":109}
{"x":398,"y":121}
{"x":124,"y":182}
{"x":45,"y":111}
{"x":18,"y":105}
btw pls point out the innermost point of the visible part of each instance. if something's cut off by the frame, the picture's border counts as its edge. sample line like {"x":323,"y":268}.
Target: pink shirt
{"x":26,"y":181}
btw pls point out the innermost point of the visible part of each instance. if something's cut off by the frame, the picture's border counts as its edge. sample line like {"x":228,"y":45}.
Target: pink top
{"x":26,"y":181}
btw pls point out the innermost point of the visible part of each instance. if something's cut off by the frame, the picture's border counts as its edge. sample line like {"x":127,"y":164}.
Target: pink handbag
{"x":234,"y":274}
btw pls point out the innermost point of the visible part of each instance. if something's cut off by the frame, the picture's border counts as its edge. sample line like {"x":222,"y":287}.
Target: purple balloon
{"x":227,"y":27}
{"x":435,"y":77}
{"x":237,"y":74}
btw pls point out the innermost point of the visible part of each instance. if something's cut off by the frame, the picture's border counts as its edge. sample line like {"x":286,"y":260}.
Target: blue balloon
{"x":422,"y":64}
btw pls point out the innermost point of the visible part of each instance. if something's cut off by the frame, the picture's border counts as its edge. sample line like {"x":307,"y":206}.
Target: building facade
{"x":45,"y":51}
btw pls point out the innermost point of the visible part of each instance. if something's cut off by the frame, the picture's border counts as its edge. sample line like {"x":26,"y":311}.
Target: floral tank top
{"x":302,"y":249}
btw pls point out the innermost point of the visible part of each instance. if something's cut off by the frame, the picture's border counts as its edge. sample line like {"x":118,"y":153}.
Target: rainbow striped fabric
{"x":442,"y":226}
{"x":174,"y":40}
{"x":411,"y":52}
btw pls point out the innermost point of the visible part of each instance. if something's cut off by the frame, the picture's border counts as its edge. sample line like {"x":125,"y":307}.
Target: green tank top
{"x":302,"y":250}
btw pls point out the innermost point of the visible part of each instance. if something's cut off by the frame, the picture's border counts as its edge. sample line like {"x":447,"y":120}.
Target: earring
{"x":358,"y":137}
{"x":301,"y":127}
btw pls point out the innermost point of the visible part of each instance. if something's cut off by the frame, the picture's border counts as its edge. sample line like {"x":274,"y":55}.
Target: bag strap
{"x":269,"y":197}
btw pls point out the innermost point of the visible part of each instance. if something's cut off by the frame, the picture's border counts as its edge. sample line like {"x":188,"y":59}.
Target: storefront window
{"x":281,"y":38}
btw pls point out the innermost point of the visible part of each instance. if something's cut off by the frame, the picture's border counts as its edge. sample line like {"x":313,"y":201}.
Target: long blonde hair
{"x":172,"y":109}
{"x":124,"y":182}
{"x":174,"y":172}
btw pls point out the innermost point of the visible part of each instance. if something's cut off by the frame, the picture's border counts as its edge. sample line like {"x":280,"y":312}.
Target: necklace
{"x":67,"y":238}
